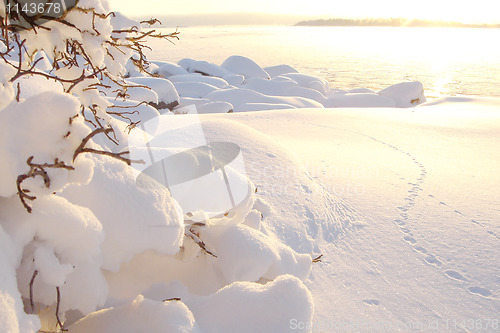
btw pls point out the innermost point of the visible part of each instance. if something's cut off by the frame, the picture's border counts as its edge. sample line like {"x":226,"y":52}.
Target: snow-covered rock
{"x":283,"y":87}
{"x":405,"y":94}
{"x":310,"y":81}
{"x":275,"y":71}
{"x":358,"y":100}
{"x":207,"y":68}
{"x":194,"y":89}
{"x":195,"y":77}
{"x":167,"y":69}
{"x":215,"y":107}
{"x":244,"y":66}
{"x":234,"y":79}
{"x":361,"y":91}
{"x":242,"y":96}
{"x":168,"y":98}
{"x":186,"y":63}
{"x":132,"y":111}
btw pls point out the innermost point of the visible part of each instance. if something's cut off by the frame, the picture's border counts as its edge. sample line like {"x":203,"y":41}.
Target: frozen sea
{"x":448,"y":61}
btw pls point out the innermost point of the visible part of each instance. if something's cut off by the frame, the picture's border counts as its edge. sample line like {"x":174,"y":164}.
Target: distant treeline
{"x":392,"y":22}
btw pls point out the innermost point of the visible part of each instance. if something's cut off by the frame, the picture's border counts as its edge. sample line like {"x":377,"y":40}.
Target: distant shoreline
{"x":393,"y":22}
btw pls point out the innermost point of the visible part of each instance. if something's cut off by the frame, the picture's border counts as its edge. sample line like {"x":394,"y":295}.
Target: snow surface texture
{"x":407,"y":231}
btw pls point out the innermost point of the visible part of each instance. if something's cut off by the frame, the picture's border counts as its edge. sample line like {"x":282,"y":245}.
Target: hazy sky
{"x":487,"y":11}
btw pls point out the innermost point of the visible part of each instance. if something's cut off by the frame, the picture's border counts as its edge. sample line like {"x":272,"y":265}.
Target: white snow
{"x":398,"y":195}
{"x":405,"y":94}
{"x":244,"y":66}
{"x":167,"y":69}
{"x":164,"y":88}
{"x":278,"y":70}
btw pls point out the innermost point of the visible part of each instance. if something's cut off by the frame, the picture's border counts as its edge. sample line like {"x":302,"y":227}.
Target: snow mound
{"x":132,"y":110}
{"x":207,"y":68}
{"x":234,"y":79}
{"x":134,"y":218}
{"x":240,"y":97}
{"x":40,"y":124}
{"x":167,"y":69}
{"x":31,"y":85}
{"x":358,"y":100}
{"x":194,"y":89}
{"x":405,"y":94}
{"x":245,"y":254}
{"x":244,"y":66}
{"x":309,"y":81}
{"x":168,"y":98}
{"x":278,"y":70}
{"x":194,"y":77}
{"x":254,"y":308}
{"x":215,"y":107}
{"x":141,"y":315}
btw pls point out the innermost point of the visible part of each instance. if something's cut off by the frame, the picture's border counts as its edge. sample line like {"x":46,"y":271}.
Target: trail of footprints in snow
{"x":409,"y":237}
{"x":476,"y":222}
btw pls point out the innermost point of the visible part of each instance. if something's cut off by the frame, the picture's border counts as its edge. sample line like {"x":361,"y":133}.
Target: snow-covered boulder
{"x":131,"y":111}
{"x":234,"y":79}
{"x":186,"y":63}
{"x":361,"y":91}
{"x":215,"y":107}
{"x":194,"y":89}
{"x":209,"y":69}
{"x":185,"y":101}
{"x":360,"y":100}
{"x":168,"y":98}
{"x":195,"y":77}
{"x":310,"y":81}
{"x":135,"y":92}
{"x":244,"y":66}
{"x":242,"y":96}
{"x":405,"y":94}
{"x":275,"y":71}
{"x":283,"y":87}
{"x":167,"y":69}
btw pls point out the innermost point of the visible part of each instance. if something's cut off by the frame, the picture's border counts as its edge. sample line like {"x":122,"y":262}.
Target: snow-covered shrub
{"x":80,"y":240}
